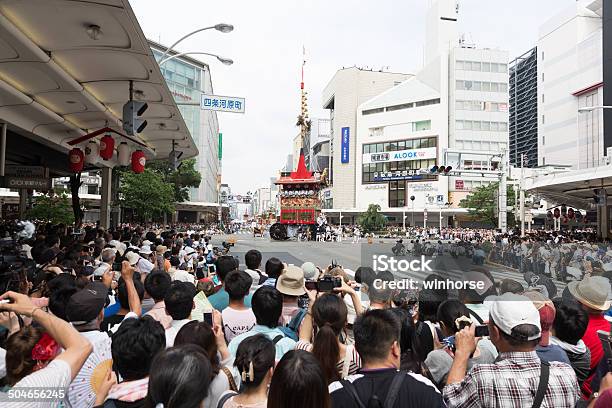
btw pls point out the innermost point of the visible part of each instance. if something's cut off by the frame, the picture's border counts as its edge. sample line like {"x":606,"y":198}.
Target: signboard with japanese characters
{"x":222,"y":103}
{"x":400,"y":155}
{"x":397,"y":175}
{"x":344,"y":145}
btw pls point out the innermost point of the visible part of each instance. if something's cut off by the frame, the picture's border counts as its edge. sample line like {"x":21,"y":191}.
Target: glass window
{"x":486,"y":67}
{"x":459,"y":65}
{"x":494,"y":127}
{"x":475,"y":125}
{"x":486,"y":86}
{"x":459,"y":124}
{"x":476,"y":66}
{"x":485,"y":125}
{"x":421,"y":125}
{"x":494,"y":87}
{"x":477,"y":86}
{"x":503,"y":126}
{"x":409,"y":144}
{"x":503,"y":68}
{"x":503,"y":87}
{"x":460,"y":84}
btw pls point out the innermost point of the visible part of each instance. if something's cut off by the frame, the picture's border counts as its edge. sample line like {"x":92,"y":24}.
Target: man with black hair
{"x":274,"y":268}
{"x":267,"y":308}
{"x":518,"y":378}
{"x":179,"y":304}
{"x":123,"y":297}
{"x":134,"y":346}
{"x":156,"y":285}
{"x":377,"y":337}
{"x":223,"y":266}
{"x":252,"y":259}
{"x":237,"y":318}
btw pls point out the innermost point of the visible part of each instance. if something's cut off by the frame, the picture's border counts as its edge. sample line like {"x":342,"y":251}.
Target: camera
{"x":328,"y":283}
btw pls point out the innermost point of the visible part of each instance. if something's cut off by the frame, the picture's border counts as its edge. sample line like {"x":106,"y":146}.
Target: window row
{"x":480,"y":66}
{"x":481,"y":125}
{"x":479,"y":145}
{"x":481,"y":106}
{"x":415,"y":127}
{"x":408,"y":105}
{"x":465,"y":85}
{"x":368,"y":171}
{"x":400,"y":145}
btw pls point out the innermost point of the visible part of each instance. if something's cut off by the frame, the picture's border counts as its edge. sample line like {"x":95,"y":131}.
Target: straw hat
{"x":592,"y":292}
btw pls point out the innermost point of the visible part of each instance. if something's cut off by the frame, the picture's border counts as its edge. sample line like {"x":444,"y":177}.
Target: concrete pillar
{"x":23,"y":200}
{"x":105,"y":199}
{"x":602,"y":218}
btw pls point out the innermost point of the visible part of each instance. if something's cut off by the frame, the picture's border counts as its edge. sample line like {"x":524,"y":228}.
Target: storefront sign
{"x":459,"y":185}
{"x":396,"y":175}
{"x":222,"y":103}
{"x":344,"y":145}
{"x":400,"y":155}
{"x":30,"y":183}
{"x":375,"y":187}
{"x":25,"y":171}
{"x":420,"y":187}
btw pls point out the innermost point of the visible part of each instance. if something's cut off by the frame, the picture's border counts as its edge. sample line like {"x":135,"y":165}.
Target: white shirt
{"x":173,"y":330}
{"x":56,"y":375}
{"x":180,"y":275}
{"x":144,"y":266}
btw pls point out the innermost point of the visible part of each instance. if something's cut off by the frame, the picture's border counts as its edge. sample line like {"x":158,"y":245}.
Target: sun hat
{"x":161,"y":249}
{"x":510,"y":310}
{"x":310,"y":271}
{"x":291,"y":281}
{"x":145,"y":249}
{"x":132,"y":258}
{"x":592,"y":291}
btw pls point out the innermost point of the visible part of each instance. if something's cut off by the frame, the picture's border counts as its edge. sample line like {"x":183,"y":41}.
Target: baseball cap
{"x":85,"y":305}
{"x":510,"y":310}
{"x":547,"y":311}
{"x":291,"y":281}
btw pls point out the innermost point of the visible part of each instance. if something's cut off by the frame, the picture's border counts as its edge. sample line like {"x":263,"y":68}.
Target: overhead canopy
{"x":65,"y":69}
{"x":575,"y":188}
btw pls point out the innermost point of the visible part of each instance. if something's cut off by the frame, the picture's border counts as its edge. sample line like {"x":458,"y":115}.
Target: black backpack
{"x":374,"y":401}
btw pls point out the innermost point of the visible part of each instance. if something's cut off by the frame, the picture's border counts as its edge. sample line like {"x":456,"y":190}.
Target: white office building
{"x":459,"y":100}
{"x":570,"y":76}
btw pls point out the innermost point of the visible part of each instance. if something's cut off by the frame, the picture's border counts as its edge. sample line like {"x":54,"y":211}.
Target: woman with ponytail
{"x":329,"y":316}
{"x":255,"y":362}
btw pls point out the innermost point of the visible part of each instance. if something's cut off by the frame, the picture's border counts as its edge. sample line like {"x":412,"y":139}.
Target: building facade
{"x":188,"y":79}
{"x":523,"y":121}
{"x":570,"y":77}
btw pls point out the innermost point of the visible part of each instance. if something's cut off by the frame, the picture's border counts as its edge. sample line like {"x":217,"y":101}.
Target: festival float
{"x":300,"y":205}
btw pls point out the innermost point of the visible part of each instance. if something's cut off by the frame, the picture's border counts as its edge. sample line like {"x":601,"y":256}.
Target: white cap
{"x":146,"y":242}
{"x":145,"y":249}
{"x":510,"y":310}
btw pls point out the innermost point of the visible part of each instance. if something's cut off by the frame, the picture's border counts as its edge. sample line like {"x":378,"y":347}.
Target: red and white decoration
{"x":107,"y":147}
{"x":138,"y":161}
{"x":91,"y":152}
{"x":76,"y":160}
{"x":123,"y":154}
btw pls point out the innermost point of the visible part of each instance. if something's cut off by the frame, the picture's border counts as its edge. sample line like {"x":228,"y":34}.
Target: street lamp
{"x":592,"y":108}
{"x":221,"y":27}
{"x":225,"y":61}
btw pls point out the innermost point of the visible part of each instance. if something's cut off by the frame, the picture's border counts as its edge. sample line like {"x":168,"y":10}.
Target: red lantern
{"x":76,"y":159}
{"x":557,"y":213}
{"x":570,"y":213}
{"x":138,"y":161}
{"x":107,"y":146}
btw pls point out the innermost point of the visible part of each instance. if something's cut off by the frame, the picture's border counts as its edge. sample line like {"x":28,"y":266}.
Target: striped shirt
{"x":512,"y":382}
{"x":351,"y":357}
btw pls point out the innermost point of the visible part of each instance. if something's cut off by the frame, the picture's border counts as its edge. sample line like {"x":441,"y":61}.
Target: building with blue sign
{"x":189,"y":79}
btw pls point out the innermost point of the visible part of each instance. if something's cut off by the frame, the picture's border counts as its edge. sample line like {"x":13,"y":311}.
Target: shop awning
{"x":65,"y":70}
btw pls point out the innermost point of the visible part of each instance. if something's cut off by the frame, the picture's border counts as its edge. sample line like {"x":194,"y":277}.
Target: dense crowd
{"x":159,"y":317}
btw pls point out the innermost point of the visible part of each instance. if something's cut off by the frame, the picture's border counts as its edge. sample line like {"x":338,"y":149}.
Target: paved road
{"x":352,"y":256}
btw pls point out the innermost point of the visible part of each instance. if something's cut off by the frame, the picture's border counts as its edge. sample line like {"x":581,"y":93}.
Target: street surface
{"x":351,"y":256}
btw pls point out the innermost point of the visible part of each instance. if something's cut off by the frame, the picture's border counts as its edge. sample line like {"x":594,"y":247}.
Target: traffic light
{"x":132,"y":121}
{"x":441,"y":170}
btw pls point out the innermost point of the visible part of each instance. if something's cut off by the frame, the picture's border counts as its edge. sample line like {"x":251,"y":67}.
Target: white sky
{"x":266,"y":46}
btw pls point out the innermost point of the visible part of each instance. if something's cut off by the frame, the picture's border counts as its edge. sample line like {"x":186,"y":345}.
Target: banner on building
{"x":396,"y":175}
{"x":400,"y":155}
{"x":344,"y":145}
{"x":222,"y":103}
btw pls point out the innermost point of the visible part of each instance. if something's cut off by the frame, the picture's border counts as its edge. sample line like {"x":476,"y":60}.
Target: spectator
{"x":515,"y":378}
{"x":454,"y":316}
{"x":252,"y":259}
{"x":298,"y":382}
{"x":134,"y":346}
{"x":274,"y":268}
{"x":473,"y":299}
{"x":512,"y":286}
{"x":337,"y":360}
{"x":140,"y":264}
{"x":224,"y":376}
{"x":546,"y":309}
{"x":177,"y":274}
{"x":130,"y":293}
{"x":255,"y":362}
{"x":267,"y":307}
{"x":179,"y":304}
{"x":180,"y":377}
{"x":377,"y":337}
{"x":34,"y":356}
{"x":291,"y":285}
{"x":592,"y":294}
{"x":570,"y":324}
{"x":237,"y":318}
{"x":379,"y":293}
{"x":223,"y":266}
{"x":156,"y":285}
{"x":409,"y":344}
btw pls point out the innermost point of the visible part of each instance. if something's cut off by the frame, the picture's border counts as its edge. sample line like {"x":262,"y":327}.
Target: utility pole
{"x":522,"y":197}
{"x":502,"y":216}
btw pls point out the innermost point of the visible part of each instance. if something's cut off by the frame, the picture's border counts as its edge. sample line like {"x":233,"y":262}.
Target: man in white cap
{"x":518,"y":378}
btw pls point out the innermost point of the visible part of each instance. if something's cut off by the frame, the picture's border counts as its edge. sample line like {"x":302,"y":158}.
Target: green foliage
{"x":182,"y":179}
{"x":146,"y":193}
{"x":52,"y":207}
{"x":372,"y":219}
{"x":482,"y":203}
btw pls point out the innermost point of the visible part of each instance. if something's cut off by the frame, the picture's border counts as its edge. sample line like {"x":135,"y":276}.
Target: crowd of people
{"x":158,"y":317}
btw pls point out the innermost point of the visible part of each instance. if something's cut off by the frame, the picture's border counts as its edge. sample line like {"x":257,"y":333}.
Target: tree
{"x":482,"y":203}
{"x":372,"y":219}
{"x":52,"y":207}
{"x":146,"y":193}
{"x":182,"y":179}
